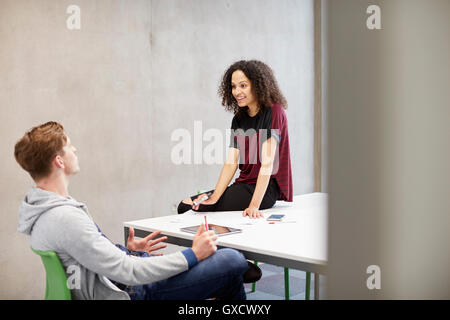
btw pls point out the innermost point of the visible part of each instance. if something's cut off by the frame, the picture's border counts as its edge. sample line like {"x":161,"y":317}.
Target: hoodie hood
{"x":39,"y":201}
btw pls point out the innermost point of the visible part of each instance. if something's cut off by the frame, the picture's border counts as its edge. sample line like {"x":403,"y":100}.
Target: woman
{"x":259,"y":144}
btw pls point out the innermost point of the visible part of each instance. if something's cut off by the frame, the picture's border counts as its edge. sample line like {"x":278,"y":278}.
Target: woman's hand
{"x":211,"y":200}
{"x":146,"y":244}
{"x":252,"y":212}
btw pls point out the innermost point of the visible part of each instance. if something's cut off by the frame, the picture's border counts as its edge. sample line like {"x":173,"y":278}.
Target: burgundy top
{"x":248,"y":134}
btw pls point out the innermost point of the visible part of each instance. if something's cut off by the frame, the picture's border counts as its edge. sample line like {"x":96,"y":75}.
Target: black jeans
{"x":237,"y":197}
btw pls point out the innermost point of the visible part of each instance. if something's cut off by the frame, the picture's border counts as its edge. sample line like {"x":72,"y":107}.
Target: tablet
{"x":219,"y":230}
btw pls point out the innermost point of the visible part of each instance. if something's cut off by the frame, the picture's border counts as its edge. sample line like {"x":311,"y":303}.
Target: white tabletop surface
{"x":301,"y":236}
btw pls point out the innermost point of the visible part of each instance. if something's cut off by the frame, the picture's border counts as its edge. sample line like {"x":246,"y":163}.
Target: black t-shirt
{"x":244,"y":125}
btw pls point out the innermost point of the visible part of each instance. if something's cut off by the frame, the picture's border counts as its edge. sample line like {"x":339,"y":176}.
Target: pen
{"x":206,"y":225}
{"x":202,"y":199}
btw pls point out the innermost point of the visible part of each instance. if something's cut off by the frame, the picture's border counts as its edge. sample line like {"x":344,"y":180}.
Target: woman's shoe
{"x":252,"y":274}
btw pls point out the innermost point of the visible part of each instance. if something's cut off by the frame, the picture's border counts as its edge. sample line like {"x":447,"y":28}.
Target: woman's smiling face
{"x":242,"y":89}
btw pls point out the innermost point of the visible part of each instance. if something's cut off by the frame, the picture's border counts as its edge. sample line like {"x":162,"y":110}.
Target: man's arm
{"x":79,"y":237}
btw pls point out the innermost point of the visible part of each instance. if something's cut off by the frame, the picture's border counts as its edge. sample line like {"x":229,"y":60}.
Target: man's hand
{"x":146,"y":244}
{"x":204,"y":243}
{"x":252,"y":212}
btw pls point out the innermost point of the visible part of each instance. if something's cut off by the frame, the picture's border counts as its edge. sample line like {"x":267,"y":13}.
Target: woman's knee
{"x":267,"y":204}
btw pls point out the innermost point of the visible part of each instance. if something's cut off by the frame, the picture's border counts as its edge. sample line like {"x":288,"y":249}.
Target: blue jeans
{"x":219,"y":276}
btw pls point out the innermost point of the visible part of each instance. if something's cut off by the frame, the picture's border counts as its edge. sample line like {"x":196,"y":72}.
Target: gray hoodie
{"x":64,"y":225}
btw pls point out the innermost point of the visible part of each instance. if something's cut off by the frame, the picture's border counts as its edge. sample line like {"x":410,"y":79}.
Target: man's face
{"x":70,"y":159}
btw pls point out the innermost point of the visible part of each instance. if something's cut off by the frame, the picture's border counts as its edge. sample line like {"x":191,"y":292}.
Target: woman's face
{"x":242,"y":89}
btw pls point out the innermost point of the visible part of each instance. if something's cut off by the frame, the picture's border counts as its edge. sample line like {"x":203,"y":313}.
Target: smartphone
{"x":275,"y":217}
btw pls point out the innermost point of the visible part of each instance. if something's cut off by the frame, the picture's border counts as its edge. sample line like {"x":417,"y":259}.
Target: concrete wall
{"x":192,"y":47}
{"x":388,"y":111}
{"x":135,"y":72}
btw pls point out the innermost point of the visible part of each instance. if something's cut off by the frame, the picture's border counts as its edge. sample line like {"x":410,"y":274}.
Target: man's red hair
{"x":37,"y":148}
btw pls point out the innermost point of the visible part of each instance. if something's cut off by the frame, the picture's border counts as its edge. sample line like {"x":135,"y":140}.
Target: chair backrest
{"x":56,"y":279}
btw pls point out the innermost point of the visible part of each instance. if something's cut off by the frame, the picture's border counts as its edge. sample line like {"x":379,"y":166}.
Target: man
{"x":59,"y":223}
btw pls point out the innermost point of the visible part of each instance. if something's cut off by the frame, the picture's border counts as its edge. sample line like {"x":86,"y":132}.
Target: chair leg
{"x":308,"y":286}
{"x":286,"y":284}
{"x":254,"y":283}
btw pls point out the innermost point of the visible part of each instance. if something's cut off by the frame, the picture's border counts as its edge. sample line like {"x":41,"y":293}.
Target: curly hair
{"x":264,"y":85}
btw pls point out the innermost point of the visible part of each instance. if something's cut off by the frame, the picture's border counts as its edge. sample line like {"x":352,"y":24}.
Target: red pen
{"x":206,"y":225}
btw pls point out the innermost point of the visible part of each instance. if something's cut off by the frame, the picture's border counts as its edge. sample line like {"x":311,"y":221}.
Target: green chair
{"x":286,"y":284}
{"x":56,"y":279}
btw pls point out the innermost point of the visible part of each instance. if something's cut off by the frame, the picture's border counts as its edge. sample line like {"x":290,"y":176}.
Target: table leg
{"x":308,"y":286}
{"x":254,"y":283}
{"x":286,"y":284}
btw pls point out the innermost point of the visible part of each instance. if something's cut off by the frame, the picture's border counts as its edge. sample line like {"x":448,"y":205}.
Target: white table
{"x":298,"y":242}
